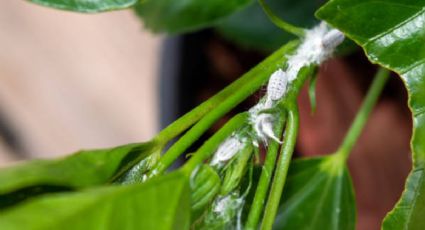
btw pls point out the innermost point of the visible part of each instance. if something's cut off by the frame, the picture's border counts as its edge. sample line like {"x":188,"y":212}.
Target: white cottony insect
{"x":228,"y":209}
{"x":229,"y":148}
{"x":263,"y":126}
{"x":332,"y":39}
{"x":318,"y":45}
{"x":277,"y":85}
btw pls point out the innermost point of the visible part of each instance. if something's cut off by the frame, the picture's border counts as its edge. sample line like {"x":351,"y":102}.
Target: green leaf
{"x":174,"y":16}
{"x":162,"y":203}
{"x":392,"y":33}
{"x":80,"y":170}
{"x":87,"y":6}
{"x":250,"y":27}
{"x":318,"y":195}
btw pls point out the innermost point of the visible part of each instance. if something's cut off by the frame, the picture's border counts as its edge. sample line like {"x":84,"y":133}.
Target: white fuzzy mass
{"x":318,"y":45}
{"x":229,"y":148}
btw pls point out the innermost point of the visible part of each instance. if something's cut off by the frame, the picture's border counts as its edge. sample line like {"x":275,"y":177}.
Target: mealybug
{"x":227,"y":150}
{"x":332,"y":39}
{"x":277,"y":85}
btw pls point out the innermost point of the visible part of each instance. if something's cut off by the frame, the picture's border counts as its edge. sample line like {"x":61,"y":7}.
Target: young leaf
{"x":205,"y":186}
{"x":392,"y":33}
{"x":162,"y":203}
{"x":185,"y":15}
{"x":318,"y":195}
{"x":87,"y":6}
{"x":80,"y":170}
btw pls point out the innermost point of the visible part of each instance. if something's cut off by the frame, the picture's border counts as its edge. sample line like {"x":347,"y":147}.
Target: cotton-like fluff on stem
{"x":318,"y":45}
{"x":262,"y":124}
{"x":332,"y":39}
{"x":228,"y":209}
{"x":229,"y":148}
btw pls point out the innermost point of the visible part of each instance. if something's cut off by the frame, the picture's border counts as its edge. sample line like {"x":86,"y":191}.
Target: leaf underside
{"x":173,"y":16}
{"x":392,"y":33}
{"x":162,"y":203}
{"x":318,"y":195}
{"x":87,"y":6}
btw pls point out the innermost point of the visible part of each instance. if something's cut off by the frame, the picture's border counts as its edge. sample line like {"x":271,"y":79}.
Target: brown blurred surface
{"x":70,"y":81}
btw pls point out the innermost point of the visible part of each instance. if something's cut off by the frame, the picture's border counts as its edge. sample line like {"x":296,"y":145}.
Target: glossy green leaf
{"x":185,"y":15}
{"x":80,"y":170}
{"x":87,"y":6}
{"x":250,"y":27}
{"x":318,"y":195}
{"x":162,"y":203}
{"x":392,"y":33}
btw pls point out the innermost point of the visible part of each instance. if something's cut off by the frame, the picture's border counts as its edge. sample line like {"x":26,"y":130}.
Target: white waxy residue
{"x":263,"y":126}
{"x":332,"y":39}
{"x":229,"y":209}
{"x":318,"y":45}
{"x":229,"y":148}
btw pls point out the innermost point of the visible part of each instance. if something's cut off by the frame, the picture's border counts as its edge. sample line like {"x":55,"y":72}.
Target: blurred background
{"x":72,"y":81}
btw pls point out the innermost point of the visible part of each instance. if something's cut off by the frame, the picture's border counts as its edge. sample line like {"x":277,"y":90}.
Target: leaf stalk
{"x":265,"y":178}
{"x":362,"y":116}
{"x":279,"y":178}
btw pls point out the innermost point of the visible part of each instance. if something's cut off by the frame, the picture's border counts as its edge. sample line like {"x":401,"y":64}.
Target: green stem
{"x":346,"y":147}
{"x":240,"y":90}
{"x":279,"y":178}
{"x":363,"y":114}
{"x":270,"y":163}
{"x":265,"y":178}
{"x":249,"y":81}
{"x":205,"y":151}
{"x":280,"y":23}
